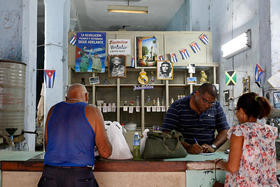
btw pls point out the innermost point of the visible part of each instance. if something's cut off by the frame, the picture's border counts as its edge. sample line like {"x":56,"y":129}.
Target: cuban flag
{"x":185,"y":54}
{"x":161,"y":58}
{"x":173,"y":57}
{"x":73,"y":40}
{"x":258,"y":72}
{"x":195,"y":47}
{"x":204,"y":39}
{"x":49,"y":76}
{"x":132,"y":62}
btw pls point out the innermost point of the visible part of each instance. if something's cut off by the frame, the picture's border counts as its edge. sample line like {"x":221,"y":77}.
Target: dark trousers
{"x":67,"y":177}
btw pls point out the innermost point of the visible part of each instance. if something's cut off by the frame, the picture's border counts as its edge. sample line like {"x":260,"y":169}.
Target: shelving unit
{"x":120,"y":91}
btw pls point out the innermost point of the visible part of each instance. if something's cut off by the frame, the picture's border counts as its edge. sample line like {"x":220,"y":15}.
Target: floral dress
{"x":258,"y":159}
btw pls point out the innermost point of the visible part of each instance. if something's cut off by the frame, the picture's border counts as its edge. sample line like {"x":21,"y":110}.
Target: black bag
{"x":164,"y":145}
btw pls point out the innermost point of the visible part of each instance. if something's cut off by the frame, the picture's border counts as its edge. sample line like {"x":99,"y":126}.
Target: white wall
{"x":275,"y":36}
{"x":227,"y":19}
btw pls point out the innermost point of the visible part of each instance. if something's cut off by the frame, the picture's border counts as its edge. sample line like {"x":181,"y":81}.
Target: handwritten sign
{"x":119,"y":47}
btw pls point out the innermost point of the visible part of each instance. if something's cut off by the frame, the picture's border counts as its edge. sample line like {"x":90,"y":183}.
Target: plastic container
{"x":136,"y":146}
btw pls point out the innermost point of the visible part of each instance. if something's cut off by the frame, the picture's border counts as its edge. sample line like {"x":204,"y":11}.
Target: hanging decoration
{"x":184,"y":53}
{"x":73,"y":40}
{"x":191,"y":68}
{"x":49,"y":76}
{"x":203,"y":38}
{"x":195,"y":47}
{"x":161,"y":58}
{"x":258,"y":73}
{"x":173,"y":57}
{"x":230,"y":78}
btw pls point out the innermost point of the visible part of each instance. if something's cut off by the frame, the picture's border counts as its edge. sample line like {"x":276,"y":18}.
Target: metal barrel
{"x":12,"y":96}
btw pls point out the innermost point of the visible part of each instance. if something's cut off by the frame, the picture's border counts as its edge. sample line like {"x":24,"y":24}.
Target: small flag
{"x":49,"y":76}
{"x":173,"y":57}
{"x":258,"y":72}
{"x":204,"y":39}
{"x":230,"y":78}
{"x":195,"y":47}
{"x":161,"y":58}
{"x":185,"y":54}
{"x":73,"y":40}
{"x":132,"y":62}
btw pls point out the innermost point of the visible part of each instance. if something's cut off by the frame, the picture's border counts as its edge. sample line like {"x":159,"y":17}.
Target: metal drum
{"x":12,"y":96}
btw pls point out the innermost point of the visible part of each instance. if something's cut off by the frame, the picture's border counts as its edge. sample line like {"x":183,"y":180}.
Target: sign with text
{"x":90,"y":52}
{"x":119,"y":47}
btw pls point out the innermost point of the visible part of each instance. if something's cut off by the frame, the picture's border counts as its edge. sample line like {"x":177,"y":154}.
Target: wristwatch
{"x":214,"y":146}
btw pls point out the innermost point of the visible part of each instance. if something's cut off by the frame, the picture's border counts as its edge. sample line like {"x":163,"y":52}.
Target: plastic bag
{"x":143,"y":140}
{"x":120,"y":148}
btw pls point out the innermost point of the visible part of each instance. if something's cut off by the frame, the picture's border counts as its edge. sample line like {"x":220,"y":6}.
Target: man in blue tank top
{"x":72,"y":130}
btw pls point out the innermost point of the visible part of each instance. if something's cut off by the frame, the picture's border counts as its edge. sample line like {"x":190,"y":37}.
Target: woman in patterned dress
{"x":252,"y":158}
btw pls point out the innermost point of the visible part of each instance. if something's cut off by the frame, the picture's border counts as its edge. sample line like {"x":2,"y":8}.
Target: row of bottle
{"x":151,"y":102}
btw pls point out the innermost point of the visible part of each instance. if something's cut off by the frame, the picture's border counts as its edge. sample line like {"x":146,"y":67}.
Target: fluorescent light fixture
{"x":237,"y":44}
{"x":128,"y":9}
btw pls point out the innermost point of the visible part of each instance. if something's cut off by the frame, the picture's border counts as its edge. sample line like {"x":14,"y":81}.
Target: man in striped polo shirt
{"x":197,"y":116}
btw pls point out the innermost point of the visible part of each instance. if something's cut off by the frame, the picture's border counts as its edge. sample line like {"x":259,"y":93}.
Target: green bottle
{"x":136,"y":146}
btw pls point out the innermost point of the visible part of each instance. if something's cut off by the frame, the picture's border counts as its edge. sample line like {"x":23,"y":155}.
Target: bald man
{"x":72,"y":130}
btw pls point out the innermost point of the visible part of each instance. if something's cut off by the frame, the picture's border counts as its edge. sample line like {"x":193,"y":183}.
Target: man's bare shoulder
{"x":92,"y":110}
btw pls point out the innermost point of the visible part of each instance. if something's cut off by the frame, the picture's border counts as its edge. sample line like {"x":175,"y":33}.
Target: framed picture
{"x":164,"y":70}
{"x":191,"y":80}
{"x":146,"y":51}
{"x":94,"y":80}
{"x":276,"y":99}
{"x":117,"y":66}
{"x":246,"y":84}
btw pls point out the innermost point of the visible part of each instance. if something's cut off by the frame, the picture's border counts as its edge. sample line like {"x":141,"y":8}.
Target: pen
{"x":195,"y":140}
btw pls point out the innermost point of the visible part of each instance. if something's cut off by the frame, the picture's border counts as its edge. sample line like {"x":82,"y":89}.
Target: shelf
{"x":124,"y":89}
{"x":179,"y":85}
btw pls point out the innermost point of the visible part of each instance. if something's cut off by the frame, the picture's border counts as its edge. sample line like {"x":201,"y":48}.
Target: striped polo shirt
{"x":201,"y":127}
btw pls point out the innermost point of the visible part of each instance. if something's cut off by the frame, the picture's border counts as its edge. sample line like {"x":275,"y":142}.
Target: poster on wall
{"x":90,"y":52}
{"x":146,"y":51}
{"x":119,"y":47}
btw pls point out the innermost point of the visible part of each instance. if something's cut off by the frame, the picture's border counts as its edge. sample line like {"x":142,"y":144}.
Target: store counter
{"x":191,"y":171}
{"x":25,"y":168}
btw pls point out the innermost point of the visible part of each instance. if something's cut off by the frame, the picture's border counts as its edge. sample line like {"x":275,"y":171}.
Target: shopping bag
{"x":120,"y":148}
{"x":143,"y":140}
{"x":161,"y":145}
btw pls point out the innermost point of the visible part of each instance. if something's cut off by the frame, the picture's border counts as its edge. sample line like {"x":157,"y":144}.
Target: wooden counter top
{"x":104,"y":166}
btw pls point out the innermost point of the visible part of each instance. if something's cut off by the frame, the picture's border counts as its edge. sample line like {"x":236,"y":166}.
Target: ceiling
{"x":92,"y":15}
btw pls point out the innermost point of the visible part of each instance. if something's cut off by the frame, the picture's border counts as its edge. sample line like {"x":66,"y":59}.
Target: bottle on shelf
{"x":137,"y":101}
{"x":148,"y":101}
{"x":83,"y":81}
{"x":136,"y":146}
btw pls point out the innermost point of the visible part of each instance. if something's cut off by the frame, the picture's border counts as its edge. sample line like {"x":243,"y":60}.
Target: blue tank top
{"x":70,"y":137}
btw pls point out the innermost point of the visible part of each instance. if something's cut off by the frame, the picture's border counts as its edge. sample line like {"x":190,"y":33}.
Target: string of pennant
{"x":173,"y":58}
{"x":184,"y":52}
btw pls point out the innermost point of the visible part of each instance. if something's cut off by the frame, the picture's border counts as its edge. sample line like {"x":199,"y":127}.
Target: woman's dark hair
{"x":254,"y":105}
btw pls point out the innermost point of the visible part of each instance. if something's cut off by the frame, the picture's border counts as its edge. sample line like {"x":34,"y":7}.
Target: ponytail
{"x":264,"y":107}
{"x":254,"y":105}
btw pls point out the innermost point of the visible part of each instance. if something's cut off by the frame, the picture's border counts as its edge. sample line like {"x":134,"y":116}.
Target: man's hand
{"x":193,"y":148}
{"x":207,"y":148}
